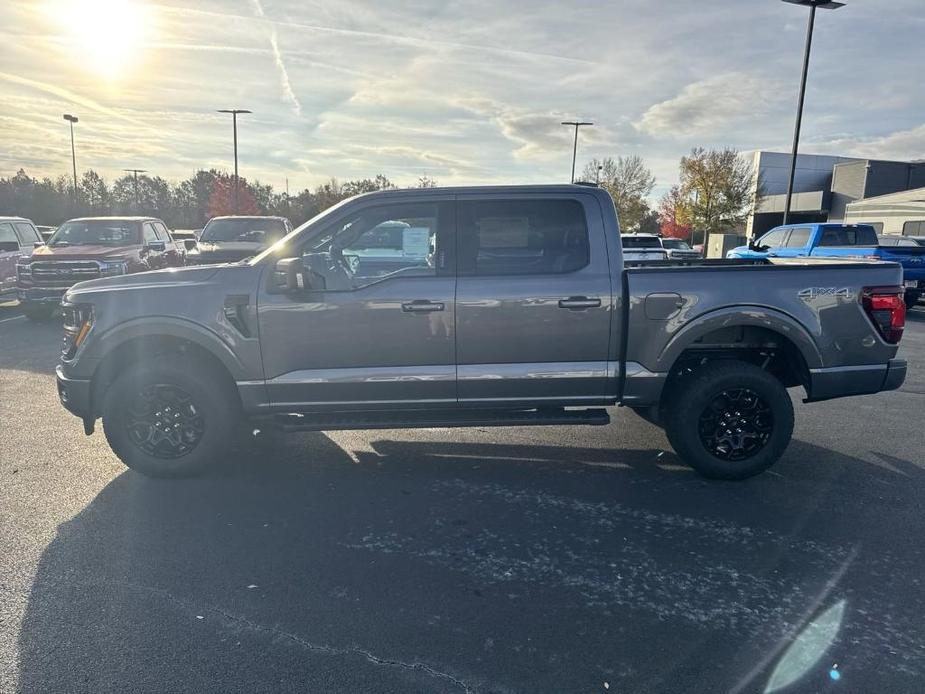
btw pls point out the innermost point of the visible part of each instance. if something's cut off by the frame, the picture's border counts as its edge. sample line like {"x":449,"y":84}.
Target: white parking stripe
{"x":7,"y":320}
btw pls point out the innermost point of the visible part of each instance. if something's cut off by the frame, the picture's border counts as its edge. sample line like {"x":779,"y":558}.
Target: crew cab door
{"x":154,"y":249}
{"x":794,"y":245}
{"x":376,"y":326}
{"x":533,"y":301}
{"x":9,"y":251}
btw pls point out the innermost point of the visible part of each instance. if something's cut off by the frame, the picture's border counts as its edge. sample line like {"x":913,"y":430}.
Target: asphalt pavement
{"x":449,"y":560}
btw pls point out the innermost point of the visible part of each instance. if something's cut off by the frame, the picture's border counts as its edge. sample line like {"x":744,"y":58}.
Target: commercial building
{"x":825,"y":187}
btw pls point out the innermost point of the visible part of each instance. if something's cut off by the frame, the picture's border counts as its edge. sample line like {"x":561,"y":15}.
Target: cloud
{"x":712,"y":105}
{"x":902,"y":145}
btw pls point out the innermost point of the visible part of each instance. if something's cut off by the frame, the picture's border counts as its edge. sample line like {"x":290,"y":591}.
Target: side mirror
{"x":290,"y":276}
{"x":190,"y":244}
{"x":38,"y":244}
{"x":158,"y":246}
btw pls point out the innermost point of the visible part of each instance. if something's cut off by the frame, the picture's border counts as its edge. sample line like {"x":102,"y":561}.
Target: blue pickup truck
{"x":839,"y":241}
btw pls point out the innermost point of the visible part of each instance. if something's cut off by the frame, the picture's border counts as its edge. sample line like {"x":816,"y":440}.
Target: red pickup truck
{"x":90,"y":248}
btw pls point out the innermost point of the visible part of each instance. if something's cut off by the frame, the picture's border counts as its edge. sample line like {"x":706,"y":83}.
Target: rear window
{"x":674,"y":244}
{"x":27,"y":233}
{"x":914,"y":229}
{"x":255,"y":230}
{"x":96,"y":232}
{"x":522,"y":237}
{"x":641,"y":242}
{"x":849,"y":236}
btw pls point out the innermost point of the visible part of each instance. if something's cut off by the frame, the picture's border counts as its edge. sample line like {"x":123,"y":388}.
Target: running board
{"x":339,"y":421}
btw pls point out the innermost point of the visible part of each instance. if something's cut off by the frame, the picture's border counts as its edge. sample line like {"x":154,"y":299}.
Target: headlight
{"x":78,"y":320}
{"x":112,"y":268}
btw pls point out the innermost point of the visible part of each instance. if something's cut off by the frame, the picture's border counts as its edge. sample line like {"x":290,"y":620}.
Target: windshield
{"x":96,"y":232}
{"x":641,"y":242}
{"x":247,"y":229}
{"x":676,"y":244}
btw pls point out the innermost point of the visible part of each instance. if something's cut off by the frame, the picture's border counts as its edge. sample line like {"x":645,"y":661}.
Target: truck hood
{"x":97,"y":252}
{"x":147,"y":280}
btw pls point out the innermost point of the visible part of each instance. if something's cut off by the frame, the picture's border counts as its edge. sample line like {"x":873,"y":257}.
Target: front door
{"x":376,"y":327}
{"x":534,"y":302}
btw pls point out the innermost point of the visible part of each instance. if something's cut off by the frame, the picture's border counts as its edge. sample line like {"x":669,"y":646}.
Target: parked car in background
{"x":829,"y":240}
{"x":528,"y":313}
{"x":89,"y":248}
{"x":679,"y":249}
{"x":230,"y":239}
{"x":643,"y":248}
{"x":187,"y":237}
{"x":46,"y":231}
{"x":18,"y":236}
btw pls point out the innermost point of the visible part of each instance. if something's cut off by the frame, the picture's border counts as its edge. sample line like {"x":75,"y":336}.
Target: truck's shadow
{"x":509,"y":567}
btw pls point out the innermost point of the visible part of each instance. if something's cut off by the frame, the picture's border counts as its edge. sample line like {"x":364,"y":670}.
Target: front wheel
{"x":730,"y":420}
{"x":170,"y":418}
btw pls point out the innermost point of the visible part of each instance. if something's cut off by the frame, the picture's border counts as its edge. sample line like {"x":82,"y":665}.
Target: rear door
{"x":9,"y":252}
{"x":533,"y":302}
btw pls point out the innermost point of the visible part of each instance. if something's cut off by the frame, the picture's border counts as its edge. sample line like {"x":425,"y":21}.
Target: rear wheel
{"x":38,"y":311}
{"x":730,"y":420}
{"x":170,"y":418}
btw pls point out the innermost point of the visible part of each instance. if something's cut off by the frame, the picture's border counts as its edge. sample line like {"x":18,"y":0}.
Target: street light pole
{"x":234,"y":124}
{"x":136,"y":172}
{"x":813,"y":5}
{"x":73,"y":119}
{"x":577,"y":125}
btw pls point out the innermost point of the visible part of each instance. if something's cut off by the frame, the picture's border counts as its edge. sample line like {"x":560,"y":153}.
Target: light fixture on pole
{"x":812,"y":5}
{"x":73,"y":119}
{"x":577,"y":124}
{"x":136,"y":172}
{"x":234,"y":124}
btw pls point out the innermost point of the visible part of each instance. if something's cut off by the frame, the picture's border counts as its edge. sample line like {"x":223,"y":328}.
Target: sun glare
{"x":105,"y":35}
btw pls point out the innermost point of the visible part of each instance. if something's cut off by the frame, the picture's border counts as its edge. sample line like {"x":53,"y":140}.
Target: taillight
{"x":887,"y":311}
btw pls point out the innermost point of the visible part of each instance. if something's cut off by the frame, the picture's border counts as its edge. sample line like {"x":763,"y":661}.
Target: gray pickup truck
{"x":500,"y":306}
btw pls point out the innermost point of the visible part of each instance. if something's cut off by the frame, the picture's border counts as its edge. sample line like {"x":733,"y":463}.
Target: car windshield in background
{"x":96,"y":233}
{"x":675,"y":244}
{"x":244,"y":229}
{"x":641,"y":242}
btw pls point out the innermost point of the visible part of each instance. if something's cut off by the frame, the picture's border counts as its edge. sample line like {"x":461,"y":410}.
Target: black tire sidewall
{"x":217,"y":404}
{"x":689,"y":400}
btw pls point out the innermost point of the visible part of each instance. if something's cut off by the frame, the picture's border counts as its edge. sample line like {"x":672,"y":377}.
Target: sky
{"x":460,"y":91}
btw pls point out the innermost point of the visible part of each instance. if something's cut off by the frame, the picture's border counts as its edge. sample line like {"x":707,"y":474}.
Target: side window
{"x":161,"y":231}
{"x":8,"y":236}
{"x":914,"y":229}
{"x":27,"y":233}
{"x":522,"y":237}
{"x":798,"y":238}
{"x":773,"y":239}
{"x":878,"y":227}
{"x":379,"y":243}
{"x":148,"y":233}
{"x":830,"y":237}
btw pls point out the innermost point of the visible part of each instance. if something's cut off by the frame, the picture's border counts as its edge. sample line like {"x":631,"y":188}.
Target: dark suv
{"x":230,"y":239}
{"x":90,"y":248}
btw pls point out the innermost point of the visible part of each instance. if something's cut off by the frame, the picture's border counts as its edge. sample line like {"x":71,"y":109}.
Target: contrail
{"x":288,"y":94}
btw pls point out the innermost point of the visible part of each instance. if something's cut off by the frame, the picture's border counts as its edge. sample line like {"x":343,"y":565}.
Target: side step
{"x":421,"y":419}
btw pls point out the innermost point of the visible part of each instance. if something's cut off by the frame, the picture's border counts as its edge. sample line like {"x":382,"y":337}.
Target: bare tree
{"x":629,"y":182}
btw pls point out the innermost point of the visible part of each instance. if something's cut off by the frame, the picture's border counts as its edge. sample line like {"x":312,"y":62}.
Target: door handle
{"x":421,"y":306}
{"x":578,"y":303}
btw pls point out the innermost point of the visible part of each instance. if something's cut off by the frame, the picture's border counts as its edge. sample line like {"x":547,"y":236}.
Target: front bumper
{"x":41,"y":295}
{"x":74,"y":395}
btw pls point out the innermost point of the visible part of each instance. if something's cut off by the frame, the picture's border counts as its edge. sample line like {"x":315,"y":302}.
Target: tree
{"x":329,"y":194}
{"x":426,"y":182}
{"x":191,"y":199}
{"x":221,"y":201}
{"x":629,"y":182}
{"x":94,"y":194}
{"x":650,"y":223}
{"x":367,"y":185}
{"x":672,"y":214}
{"x":719,"y":189}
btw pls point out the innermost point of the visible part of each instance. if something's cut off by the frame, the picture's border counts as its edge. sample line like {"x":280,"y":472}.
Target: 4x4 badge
{"x":814,"y":292}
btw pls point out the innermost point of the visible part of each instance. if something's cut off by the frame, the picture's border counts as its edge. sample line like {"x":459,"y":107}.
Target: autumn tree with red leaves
{"x":221,"y":200}
{"x":672,"y":215}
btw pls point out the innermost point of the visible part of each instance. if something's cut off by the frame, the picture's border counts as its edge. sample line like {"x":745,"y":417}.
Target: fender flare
{"x":741,"y":316}
{"x":166,"y":326}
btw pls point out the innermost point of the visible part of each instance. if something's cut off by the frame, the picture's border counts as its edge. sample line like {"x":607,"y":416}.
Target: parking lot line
{"x":7,"y":320}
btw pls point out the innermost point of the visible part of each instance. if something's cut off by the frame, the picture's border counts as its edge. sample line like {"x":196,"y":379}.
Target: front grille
{"x":63,"y":273}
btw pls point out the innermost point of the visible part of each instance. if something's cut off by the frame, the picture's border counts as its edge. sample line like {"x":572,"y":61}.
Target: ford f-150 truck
{"x":839,"y":241}
{"x":88,"y":248}
{"x":18,"y":236}
{"x":522,"y":312}
{"x":230,"y":239}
